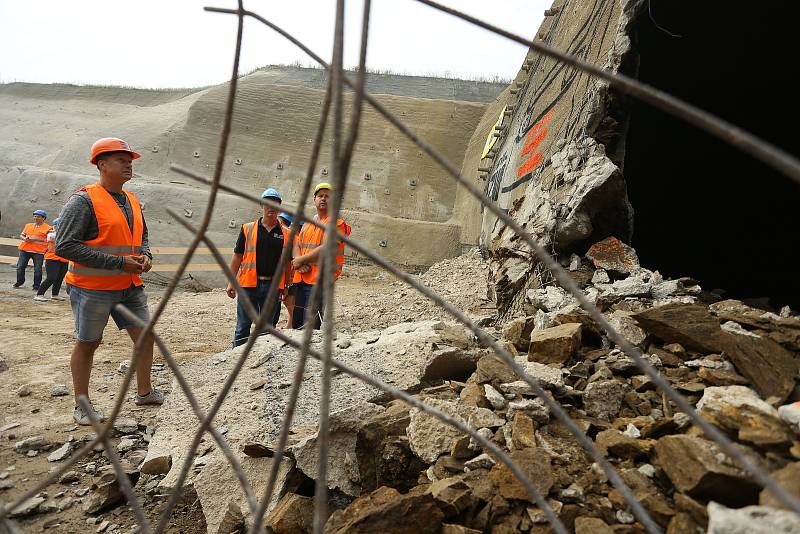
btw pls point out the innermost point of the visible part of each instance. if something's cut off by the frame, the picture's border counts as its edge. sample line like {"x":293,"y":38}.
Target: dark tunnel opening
{"x":702,"y":208}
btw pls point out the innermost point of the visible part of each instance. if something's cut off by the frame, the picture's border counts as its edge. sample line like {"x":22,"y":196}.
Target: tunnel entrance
{"x":702,"y":208}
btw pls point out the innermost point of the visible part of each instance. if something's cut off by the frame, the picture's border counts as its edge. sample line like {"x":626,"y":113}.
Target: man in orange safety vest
{"x":255,"y":259}
{"x":306,"y":256}
{"x":103,"y":235}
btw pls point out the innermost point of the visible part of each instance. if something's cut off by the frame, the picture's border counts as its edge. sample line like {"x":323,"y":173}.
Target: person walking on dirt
{"x":55,"y":268}
{"x":306,"y":256}
{"x":32,"y":247}
{"x":288,"y":300}
{"x":255,"y":259}
{"x":102,"y":233}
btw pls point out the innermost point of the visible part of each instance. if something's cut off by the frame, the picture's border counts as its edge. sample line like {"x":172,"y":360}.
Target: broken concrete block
{"x":738,"y":409}
{"x":294,"y":514}
{"x":621,"y":445}
{"x":611,"y":254}
{"x":695,"y":467}
{"x":535,"y":463}
{"x":556,"y":344}
{"x":429,"y":437}
{"x":157,"y":461}
{"x":386,"y":510}
{"x":105,"y":490}
{"x":750,"y":520}
{"x":60,"y":453}
{"x":221,"y":495}
{"x":603,"y":399}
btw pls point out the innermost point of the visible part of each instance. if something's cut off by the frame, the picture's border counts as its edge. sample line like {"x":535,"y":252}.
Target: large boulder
{"x":383,"y":451}
{"x":343,"y":472}
{"x":400,"y":355}
{"x":429,"y":437}
{"x":220,"y":493}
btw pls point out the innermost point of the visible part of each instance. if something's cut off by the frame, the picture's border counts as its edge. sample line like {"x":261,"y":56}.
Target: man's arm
{"x":236,"y":262}
{"x":76,"y":217}
{"x":313,"y":256}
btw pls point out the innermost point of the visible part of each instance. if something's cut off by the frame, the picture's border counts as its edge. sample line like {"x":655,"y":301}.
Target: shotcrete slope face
{"x":556,"y":168}
{"x":399,"y":202}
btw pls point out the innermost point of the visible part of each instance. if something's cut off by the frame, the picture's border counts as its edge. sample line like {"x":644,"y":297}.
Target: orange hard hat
{"x":110,"y":144}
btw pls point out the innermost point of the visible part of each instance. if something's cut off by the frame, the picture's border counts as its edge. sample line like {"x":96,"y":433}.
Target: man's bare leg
{"x":144,"y":364}
{"x":80,"y":364}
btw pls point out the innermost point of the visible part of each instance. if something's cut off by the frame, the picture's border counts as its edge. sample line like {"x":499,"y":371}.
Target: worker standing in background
{"x":55,"y":268}
{"x":306,"y":257}
{"x":255,"y":259}
{"x":288,"y":300}
{"x":32,"y":247}
{"x":103,"y":234}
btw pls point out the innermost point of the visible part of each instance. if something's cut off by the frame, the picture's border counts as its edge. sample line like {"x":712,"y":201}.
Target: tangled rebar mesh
{"x":342,"y":152}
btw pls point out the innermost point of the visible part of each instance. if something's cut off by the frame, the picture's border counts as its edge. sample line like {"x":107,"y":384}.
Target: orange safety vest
{"x":310,"y":238}
{"x":248,"y":277}
{"x":114,"y":237}
{"x":50,"y":254}
{"x":32,"y":230}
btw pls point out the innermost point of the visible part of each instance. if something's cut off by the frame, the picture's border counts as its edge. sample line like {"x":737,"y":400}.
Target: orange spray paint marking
{"x":531,"y":147}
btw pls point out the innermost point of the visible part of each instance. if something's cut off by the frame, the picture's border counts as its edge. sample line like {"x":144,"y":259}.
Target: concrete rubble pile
{"x":394,"y":468}
{"x":92,"y":484}
{"x":460,"y":280}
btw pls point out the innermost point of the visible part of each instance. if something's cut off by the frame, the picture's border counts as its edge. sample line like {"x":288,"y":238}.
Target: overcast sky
{"x":174,"y":43}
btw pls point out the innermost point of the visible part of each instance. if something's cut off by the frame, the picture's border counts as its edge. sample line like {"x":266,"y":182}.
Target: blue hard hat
{"x":40,"y":212}
{"x":56,"y":221}
{"x":271,"y":192}
{"x":286,"y":217}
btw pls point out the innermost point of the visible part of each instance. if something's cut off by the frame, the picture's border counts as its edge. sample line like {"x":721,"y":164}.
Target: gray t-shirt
{"x":79,"y":224}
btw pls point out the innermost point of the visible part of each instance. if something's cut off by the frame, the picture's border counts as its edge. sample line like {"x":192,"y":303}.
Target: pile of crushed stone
{"x":461,"y":280}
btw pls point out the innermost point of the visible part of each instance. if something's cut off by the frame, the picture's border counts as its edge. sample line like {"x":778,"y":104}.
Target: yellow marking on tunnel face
{"x":493,"y":134}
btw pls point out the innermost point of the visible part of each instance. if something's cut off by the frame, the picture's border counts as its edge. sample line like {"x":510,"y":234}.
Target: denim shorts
{"x":92,"y":308}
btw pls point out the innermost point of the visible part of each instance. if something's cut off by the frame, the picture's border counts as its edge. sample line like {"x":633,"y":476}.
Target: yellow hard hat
{"x":323,"y":185}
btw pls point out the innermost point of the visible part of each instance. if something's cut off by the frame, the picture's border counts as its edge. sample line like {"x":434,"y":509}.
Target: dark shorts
{"x":91,"y":309}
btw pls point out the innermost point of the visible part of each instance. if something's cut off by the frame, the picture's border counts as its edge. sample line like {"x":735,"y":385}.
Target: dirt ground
{"x":36,"y":343}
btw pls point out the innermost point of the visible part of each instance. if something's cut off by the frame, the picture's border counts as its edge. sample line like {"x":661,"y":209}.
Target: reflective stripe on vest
{"x":32,"y":230}
{"x":248,"y":276}
{"x":310,"y":237}
{"x":114,"y":237}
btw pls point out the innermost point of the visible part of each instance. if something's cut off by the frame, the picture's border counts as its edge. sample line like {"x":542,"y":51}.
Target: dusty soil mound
{"x":460,"y":280}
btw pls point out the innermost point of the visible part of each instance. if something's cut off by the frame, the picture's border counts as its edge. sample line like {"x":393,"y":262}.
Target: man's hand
{"x":147,"y":263}
{"x":284,"y":292}
{"x":132,"y":264}
{"x":296,"y":264}
{"x":230,"y":291}
{"x":303,"y":269}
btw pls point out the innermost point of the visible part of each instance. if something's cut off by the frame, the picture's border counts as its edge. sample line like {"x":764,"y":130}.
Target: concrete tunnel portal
{"x":703,"y":208}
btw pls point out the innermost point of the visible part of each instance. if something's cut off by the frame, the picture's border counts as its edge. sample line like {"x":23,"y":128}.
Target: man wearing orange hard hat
{"x":103,"y":235}
{"x":306,"y":255}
